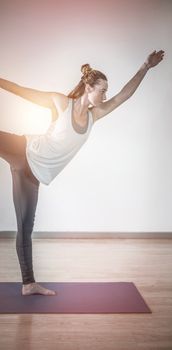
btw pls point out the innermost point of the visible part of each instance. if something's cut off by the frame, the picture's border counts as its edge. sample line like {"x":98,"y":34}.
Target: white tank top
{"x":47,"y":154}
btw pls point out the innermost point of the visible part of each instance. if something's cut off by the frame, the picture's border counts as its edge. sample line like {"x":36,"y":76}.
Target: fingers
{"x":158,"y":52}
{"x":161,"y":54}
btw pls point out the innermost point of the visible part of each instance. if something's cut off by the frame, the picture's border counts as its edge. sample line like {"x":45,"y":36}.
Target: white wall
{"x":121,"y":180}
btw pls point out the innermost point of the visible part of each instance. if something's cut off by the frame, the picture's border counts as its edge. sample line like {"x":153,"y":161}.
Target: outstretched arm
{"x":42,"y":98}
{"x":128,"y":90}
{"x":153,"y":59}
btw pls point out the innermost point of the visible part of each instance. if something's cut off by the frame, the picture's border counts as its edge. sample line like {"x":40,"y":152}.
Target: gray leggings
{"x":25,"y":197}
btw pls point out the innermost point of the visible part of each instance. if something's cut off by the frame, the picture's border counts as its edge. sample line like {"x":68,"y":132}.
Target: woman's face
{"x":97,"y":93}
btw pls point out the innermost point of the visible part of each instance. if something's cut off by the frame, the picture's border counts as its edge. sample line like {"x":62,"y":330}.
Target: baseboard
{"x":91,"y":235}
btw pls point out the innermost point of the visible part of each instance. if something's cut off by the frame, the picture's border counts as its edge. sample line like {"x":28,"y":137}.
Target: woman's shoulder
{"x":60,"y":100}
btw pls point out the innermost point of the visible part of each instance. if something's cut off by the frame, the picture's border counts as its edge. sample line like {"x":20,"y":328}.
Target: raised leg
{"x":12,"y":144}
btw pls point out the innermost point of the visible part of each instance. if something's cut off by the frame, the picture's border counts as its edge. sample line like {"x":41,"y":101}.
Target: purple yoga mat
{"x":73,"y":297}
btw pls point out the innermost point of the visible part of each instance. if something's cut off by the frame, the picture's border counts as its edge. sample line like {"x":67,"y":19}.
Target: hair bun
{"x":86,"y":69}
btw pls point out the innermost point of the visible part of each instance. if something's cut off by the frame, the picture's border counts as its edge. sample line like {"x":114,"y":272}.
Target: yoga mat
{"x":73,"y":297}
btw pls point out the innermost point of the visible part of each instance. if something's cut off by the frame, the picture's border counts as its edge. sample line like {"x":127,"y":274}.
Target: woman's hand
{"x":154,"y":58}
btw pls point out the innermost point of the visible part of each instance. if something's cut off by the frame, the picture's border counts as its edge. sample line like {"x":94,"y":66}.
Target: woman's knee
{"x":12,"y":143}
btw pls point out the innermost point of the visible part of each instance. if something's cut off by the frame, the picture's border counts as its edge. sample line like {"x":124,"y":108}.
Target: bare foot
{"x":35,"y":288}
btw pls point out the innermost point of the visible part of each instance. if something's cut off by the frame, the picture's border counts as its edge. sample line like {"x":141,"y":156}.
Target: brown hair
{"x":90,"y":76}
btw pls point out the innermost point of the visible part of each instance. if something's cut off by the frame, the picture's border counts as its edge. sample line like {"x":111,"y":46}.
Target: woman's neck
{"x":80,"y":107}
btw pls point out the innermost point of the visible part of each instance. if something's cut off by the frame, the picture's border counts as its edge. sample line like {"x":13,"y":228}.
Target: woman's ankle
{"x":28,"y":284}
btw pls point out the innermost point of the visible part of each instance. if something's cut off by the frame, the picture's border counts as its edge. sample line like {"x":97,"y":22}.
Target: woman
{"x":39,"y":158}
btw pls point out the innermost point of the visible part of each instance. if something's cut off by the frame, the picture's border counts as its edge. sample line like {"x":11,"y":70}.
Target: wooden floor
{"x":146,"y":262}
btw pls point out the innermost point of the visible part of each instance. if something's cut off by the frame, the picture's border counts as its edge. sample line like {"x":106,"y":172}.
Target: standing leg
{"x":25,"y":197}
